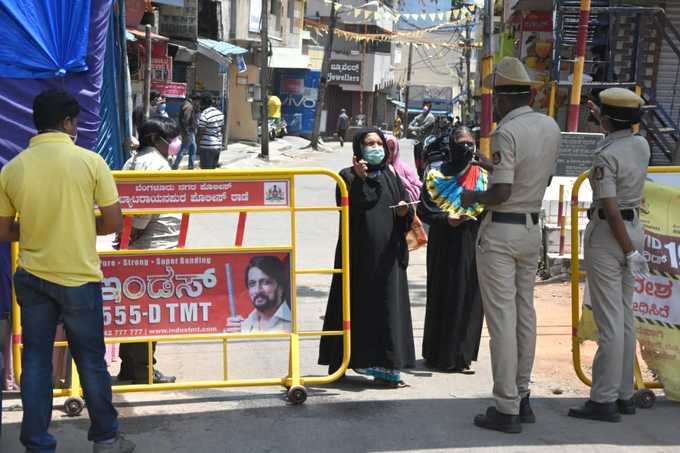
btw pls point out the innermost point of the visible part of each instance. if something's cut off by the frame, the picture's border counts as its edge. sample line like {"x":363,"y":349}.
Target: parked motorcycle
{"x":277,"y":128}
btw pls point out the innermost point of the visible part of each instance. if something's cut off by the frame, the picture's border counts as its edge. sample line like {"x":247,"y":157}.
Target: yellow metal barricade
{"x":293,"y":381}
{"x":644,"y":396}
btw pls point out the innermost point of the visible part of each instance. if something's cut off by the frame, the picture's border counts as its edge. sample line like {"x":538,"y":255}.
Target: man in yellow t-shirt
{"x":53,"y":186}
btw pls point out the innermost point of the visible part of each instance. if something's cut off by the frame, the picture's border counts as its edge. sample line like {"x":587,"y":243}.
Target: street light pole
{"x":264,"y":81}
{"x":407,"y":92}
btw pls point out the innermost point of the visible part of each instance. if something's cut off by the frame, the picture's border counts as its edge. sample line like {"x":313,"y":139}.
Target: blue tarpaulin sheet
{"x":43,"y":39}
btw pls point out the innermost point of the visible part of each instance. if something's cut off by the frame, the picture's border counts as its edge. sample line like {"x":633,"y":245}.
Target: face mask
{"x":462,"y":152}
{"x":374,"y":155}
{"x":74,"y":137}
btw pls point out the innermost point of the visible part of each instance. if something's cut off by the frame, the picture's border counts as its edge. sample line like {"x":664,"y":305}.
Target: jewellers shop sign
{"x":345,"y":72}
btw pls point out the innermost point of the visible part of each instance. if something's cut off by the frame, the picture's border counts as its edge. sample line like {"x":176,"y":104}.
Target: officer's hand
{"x":595,"y":110}
{"x":360,"y":167}
{"x":234,"y":324}
{"x":637,"y":264}
{"x":402,"y":208}
{"x":467,"y":199}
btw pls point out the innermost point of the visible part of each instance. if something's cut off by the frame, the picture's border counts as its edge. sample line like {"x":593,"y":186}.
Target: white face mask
{"x":74,"y":137}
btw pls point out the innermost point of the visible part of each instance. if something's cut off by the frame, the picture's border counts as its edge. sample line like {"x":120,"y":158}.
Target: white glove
{"x":637,"y":264}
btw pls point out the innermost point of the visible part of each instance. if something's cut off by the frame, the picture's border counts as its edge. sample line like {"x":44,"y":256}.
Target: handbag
{"x":416,"y":237}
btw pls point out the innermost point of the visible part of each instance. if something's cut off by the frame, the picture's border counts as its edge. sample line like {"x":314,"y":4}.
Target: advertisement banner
{"x":196,"y":195}
{"x":170,"y":89}
{"x":196,"y":292}
{"x":298,"y":91}
{"x":254,"y":16}
{"x":656,"y":300}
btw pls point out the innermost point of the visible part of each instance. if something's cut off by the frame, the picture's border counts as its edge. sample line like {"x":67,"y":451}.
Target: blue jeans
{"x":42,"y":304}
{"x":189,"y":146}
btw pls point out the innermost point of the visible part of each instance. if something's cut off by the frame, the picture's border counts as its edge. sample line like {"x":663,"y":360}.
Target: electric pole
{"x":325,"y":69}
{"x":468,"y":56}
{"x":264,"y":81}
{"x":407,"y":92}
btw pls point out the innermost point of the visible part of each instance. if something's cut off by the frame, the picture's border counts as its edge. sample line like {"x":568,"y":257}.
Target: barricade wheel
{"x":645,"y":398}
{"x":74,"y":406}
{"x":297,"y":394}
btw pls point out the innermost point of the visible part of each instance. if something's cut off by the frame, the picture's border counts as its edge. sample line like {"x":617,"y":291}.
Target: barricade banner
{"x":206,"y":194}
{"x":160,"y":294}
{"x":656,"y":300}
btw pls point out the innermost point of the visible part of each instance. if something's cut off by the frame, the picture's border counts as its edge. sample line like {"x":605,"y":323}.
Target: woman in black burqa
{"x":453,"y":316}
{"x":382,"y":334}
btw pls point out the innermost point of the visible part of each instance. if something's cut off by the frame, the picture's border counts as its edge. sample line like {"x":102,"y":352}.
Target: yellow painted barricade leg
{"x":297,"y":394}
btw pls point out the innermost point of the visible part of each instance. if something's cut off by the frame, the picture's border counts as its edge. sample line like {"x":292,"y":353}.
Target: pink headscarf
{"x":409,"y":177}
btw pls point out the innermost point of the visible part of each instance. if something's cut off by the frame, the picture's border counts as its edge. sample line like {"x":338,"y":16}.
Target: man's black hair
{"x":52,"y":107}
{"x":153,"y":96}
{"x":273,"y":267}
{"x":196,"y":96}
{"x":428,"y":103}
{"x":206,"y":100}
{"x":157,"y":127}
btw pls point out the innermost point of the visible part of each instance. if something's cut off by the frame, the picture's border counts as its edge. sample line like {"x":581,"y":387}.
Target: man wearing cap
{"x":612,"y":243}
{"x":524,"y":147}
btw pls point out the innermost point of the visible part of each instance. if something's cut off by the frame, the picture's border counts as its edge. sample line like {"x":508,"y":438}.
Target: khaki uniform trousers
{"x":507,"y":259}
{"x":611,"y":287}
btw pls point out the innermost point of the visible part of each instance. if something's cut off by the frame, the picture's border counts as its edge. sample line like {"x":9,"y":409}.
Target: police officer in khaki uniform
{"x":524,"y":147}
{"x":612,"y":245}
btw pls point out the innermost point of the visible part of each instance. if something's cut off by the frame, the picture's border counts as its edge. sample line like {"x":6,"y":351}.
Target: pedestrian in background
{"x":382,"y":334}
{"x":407,"y":174}
{"x":453,"y":315}
{"x":210,"y":126}
{"x":188,"y":123}
{"x":159,"y":231}
{"x":342,"y":125}
{"x":53,"y":186}
{"x":613,"y":245}
{"x":524,"y":148}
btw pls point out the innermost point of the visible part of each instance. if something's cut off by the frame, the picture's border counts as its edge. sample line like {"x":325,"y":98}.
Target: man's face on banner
{"x":264,"y":291}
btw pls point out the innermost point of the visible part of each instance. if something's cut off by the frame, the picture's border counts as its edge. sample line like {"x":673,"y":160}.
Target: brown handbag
{"x":416,"y":237}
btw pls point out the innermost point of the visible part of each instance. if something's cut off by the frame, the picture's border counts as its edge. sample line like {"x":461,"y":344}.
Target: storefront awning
{"x":141,"y":35}
{"x":288,"y":58}
{"x":219,"y":51}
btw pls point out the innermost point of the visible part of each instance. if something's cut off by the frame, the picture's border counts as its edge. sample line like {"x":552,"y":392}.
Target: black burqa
{"x":453,"y":316}
{"x":382,"y":333}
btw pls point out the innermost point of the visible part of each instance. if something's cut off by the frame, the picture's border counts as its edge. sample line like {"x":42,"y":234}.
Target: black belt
{"x":626,"y":214}
{"x":512,"y":217}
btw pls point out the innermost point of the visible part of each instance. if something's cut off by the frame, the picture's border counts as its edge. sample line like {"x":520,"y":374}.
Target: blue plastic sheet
{"x":43,"y":39}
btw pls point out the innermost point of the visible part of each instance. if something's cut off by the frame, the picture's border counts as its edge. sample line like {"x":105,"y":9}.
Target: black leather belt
{"x":512,"y":217}
{"x":627,"y":215}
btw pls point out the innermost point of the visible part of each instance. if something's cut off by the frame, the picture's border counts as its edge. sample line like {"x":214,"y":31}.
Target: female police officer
{"x":612,"y":244}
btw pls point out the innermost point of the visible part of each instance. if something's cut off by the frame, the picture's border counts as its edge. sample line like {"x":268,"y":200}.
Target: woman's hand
{"x":360,"y":167}
{"x":402,"y":208}
{"x":454,"y":222}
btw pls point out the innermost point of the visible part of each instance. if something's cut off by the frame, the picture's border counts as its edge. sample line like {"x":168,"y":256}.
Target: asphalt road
{"x":434,"y":413}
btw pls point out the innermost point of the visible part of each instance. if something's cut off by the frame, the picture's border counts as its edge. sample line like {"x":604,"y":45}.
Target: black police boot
{"x":498,"y":421}
{"x":626,"y":407}
{"x":526,"y":414}
{"x":604,"y":412}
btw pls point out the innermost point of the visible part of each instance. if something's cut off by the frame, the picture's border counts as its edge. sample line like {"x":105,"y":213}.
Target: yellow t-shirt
{"x":54,"y":185}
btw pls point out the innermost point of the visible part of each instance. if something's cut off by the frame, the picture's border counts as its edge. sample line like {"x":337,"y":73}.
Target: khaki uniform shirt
{"x":620,"y":168}
{"x":524,"y":147}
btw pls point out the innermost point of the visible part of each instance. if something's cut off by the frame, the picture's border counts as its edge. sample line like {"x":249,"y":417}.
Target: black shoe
{"x":626,"y":407}
{"x":526,"y":414}
{"x":498,"y":421}
{"x":604,"y":412}
{"x":158,"y":378}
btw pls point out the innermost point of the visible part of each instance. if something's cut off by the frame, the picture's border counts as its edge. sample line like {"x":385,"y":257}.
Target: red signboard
{"x":170,"y":89}
{"x":538,"y":21}
{"x":188,"y":195}
{"x":194,"y":293}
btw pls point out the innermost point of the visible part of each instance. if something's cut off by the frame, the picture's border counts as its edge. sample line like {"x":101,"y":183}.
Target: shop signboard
{"x":345,"y":72}
{"x":170,"y":89}
{"x":179,"y":21}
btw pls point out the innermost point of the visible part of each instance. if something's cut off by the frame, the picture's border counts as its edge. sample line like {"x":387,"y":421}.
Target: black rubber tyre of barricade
{"x":297,"y":394}
{"x":645,"y":398}
{"x":74,"y":406}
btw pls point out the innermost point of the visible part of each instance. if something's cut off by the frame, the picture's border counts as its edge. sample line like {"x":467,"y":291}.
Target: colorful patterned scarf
{"x":445,"y":191}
